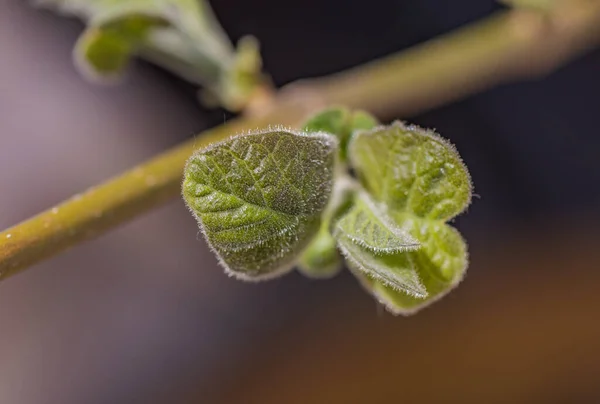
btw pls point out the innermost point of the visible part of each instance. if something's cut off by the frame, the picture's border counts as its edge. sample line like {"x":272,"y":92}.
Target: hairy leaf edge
{"x":379,"y":211}
{"x":288,"y":266}
{"x":429,"y":133}
{"x":396,"y":311}
{"x":375,"y":275}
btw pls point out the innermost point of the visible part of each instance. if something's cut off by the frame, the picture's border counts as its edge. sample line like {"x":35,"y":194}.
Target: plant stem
{"x":505,"y":46}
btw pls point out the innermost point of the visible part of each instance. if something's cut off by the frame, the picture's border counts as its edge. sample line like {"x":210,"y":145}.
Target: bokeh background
{"x":144,"y":315}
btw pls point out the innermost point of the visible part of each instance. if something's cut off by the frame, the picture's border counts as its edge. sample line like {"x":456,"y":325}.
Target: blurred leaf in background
{"x":182,"y":36}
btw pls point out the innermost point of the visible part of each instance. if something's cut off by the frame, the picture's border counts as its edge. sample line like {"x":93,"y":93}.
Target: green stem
{"x":423,"y":77}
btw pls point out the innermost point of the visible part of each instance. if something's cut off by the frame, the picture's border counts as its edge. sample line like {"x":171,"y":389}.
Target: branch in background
{"x":507,"y":46}
{"x":540,"y":5}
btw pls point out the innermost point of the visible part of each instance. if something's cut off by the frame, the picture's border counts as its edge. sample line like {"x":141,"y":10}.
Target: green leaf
{"x":413,"y":170}
{"x":341,"y":122}
{"x":395,"y":271}
{"x":443,"y":251}
{"x":259,"y":197}
{"x":367,"y":226}
{"x":376,"y":246}
{"x":331,"y":120}
{"x":421,"y":181}
{"x":399,"y":302}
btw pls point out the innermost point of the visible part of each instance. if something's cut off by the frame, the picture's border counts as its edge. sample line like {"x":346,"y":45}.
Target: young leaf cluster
{"x":273,"y":200}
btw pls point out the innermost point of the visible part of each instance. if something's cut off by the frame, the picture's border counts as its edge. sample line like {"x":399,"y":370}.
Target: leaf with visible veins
{"x":259,"y":197}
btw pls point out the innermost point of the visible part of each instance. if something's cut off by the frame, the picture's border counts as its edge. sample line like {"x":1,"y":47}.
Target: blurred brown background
{"x":144,"y":315}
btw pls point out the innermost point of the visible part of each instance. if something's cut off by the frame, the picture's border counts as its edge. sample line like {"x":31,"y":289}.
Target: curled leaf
{"x":400,"y":302}
{"x":375,"y":246}
{"x":367,"y":226}
{"x":259,"y":198}
{"x":395,"y":271}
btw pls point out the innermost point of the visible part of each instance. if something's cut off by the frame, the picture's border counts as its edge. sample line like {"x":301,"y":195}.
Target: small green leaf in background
{"x":321,"y":258}
{"x":341,"y":122}
{"x":104,"y":51}
{"x":259,"y":198}
{"x":421,"y":181}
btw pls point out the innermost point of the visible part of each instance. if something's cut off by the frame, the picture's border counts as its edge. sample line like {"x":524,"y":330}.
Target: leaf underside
{"x":259,"y":197}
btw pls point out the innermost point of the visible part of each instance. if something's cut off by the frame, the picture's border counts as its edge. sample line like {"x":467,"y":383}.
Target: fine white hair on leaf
{"x":369,"y":226}
{"x":384,"y":297}
{"x":413,"y":169}
{"x":404,"y":311}
{"x":401,"y":279}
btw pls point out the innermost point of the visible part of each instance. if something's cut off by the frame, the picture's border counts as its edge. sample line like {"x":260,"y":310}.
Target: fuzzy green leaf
{"x":395,"y":271}
{"x":422,"y":182}
{"x":367,"y":226}
{"x":259,"y":198}
{"x":443,"y":251}
{"x":412,"y":170}
{"x":374,"y":245}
